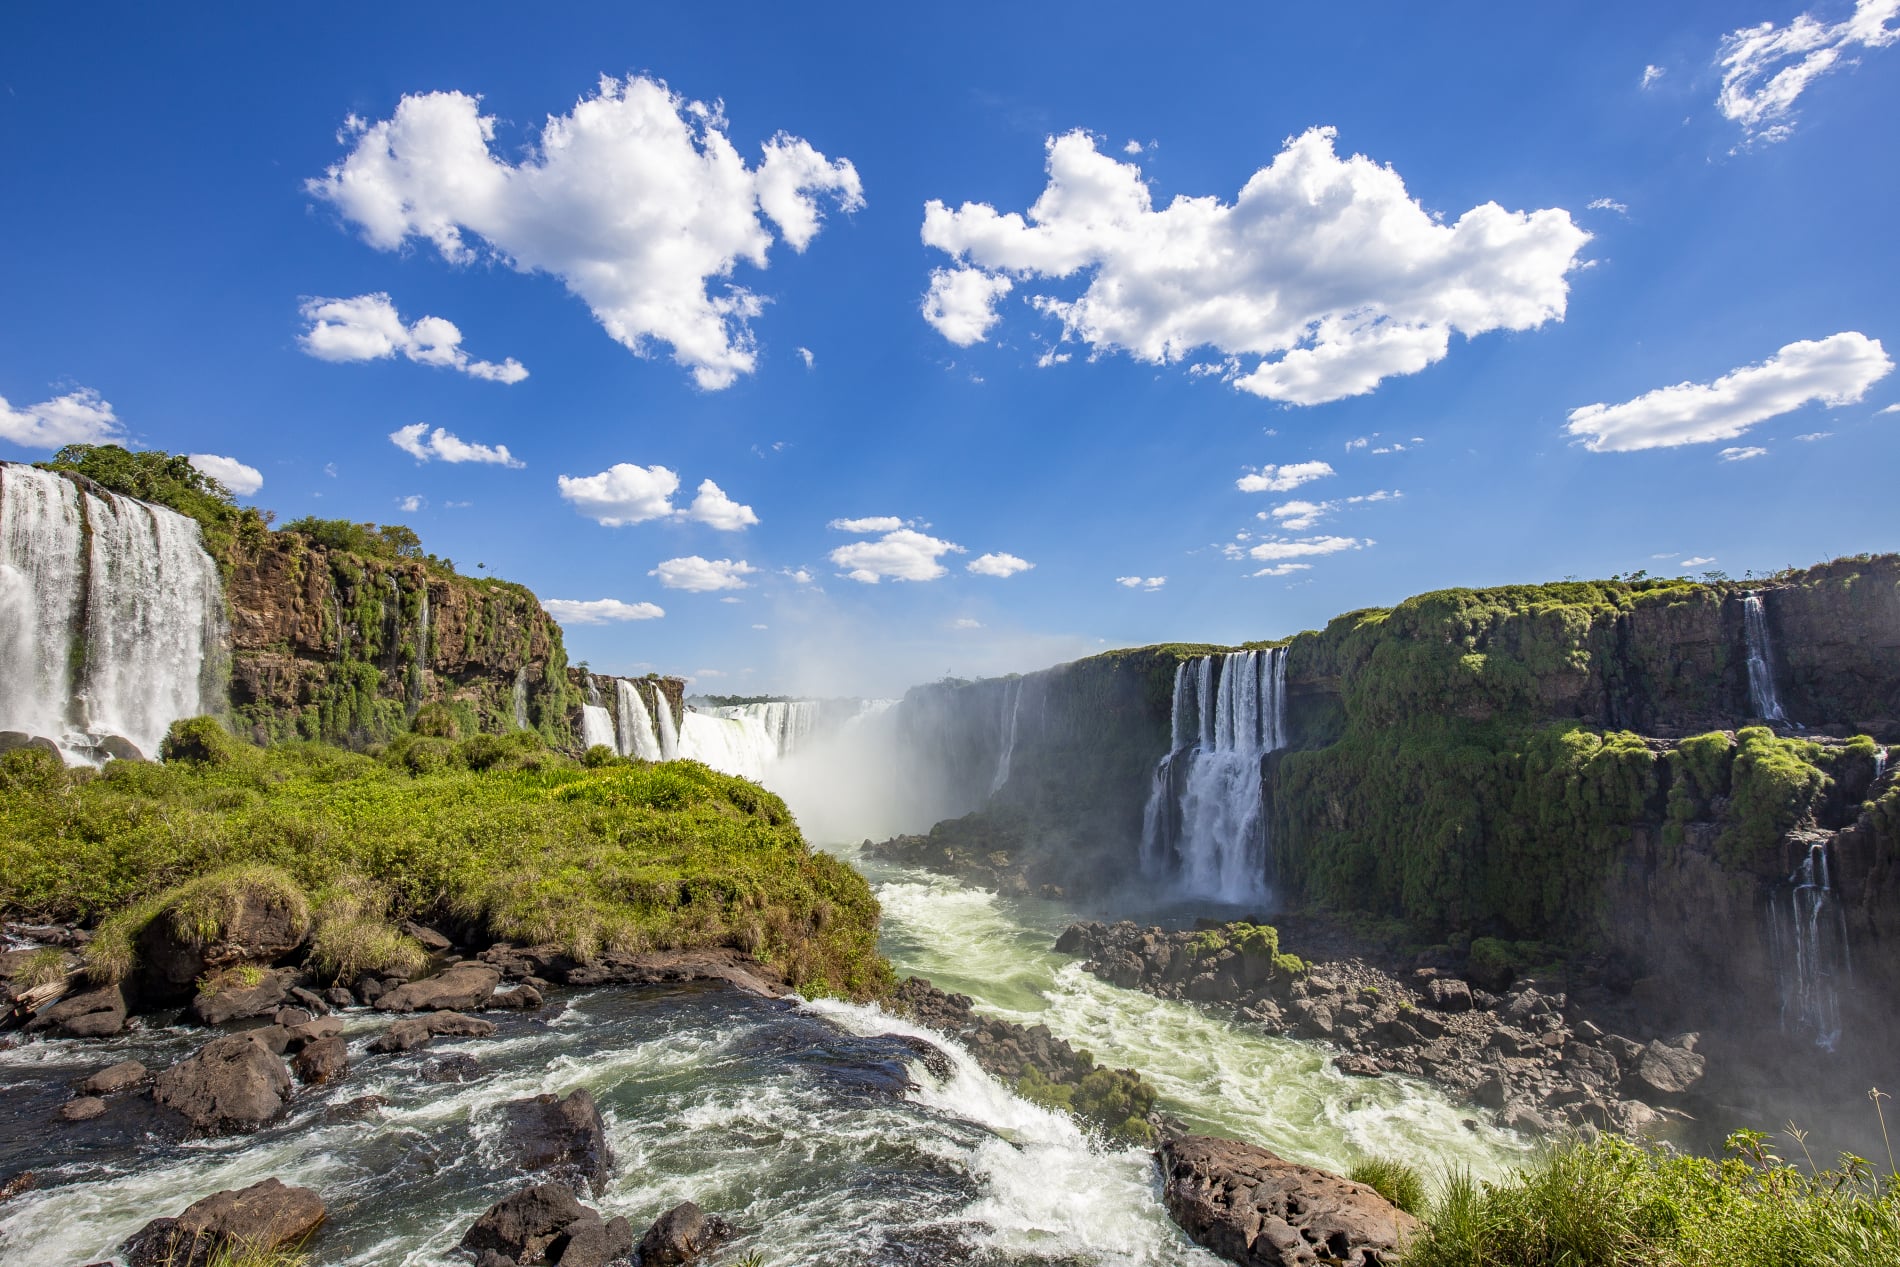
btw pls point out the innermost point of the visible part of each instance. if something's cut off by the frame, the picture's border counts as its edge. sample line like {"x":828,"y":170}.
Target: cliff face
{"x":327,"y":644}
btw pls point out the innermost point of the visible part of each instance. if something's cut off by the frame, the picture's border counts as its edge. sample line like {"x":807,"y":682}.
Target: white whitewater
{"x":118,"y":588}
{"x":521,"y":698}
{"x":669,"y":735}
{"x":418,"y":676}
{"x":732,"y":745}
{"x":1204,"y":828}
{"x":787,"y":723}
{"x":1762,"y":695}
{"x":1808,"y":935}
{"x":597,"y":727}
{"x":637,"y":736}
{"x":1880,"y":764}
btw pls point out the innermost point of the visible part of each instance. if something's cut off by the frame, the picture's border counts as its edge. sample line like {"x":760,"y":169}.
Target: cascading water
{"x":1808,"y":935}
{"x":1204,"y":829}
{"x":597,"y":727}
{"x":669,"y":735}
{"x":1006,"y":750}
{"x":1880,"y":764}
{"x":418,"y":673}
{"x":521,"y":698}
{"x":1762,"y":695}
{"x":786,"y":723}
{"x":110,"y":614}
{"x":637,"y":737}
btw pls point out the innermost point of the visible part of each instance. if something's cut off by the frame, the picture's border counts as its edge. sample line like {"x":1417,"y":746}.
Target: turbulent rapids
{"x":824,"y":1139}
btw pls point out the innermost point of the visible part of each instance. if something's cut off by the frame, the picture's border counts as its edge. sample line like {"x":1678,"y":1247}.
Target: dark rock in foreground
{"x":231,"y":1084}
{"x":265,"y":1216}
{"x":680,"y":1236}
{"x":459,"y":987}
{"x":1258,"y":1209}
{"x":418,"y":1031}
{"x":94,"y":1014}
{"x":114,"y":1078}
{"x":239,"y":996}
{"x":563,"y":1136}
{"x":522,"y":1226}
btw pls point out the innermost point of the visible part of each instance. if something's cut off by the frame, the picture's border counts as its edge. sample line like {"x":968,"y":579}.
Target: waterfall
{"x":1012,"y":705}
{"x":669,"y":736}
{"x":597,"y":727}
{"x":1762,"y":696}
{"x":110,"y":613}
{"x":521,"y":698}
{"x":787,"y":723}
{"x":733,"y":745}
{"x":637,"y":738}
{"x":418,"y":681}
{"x":1204,"y":827}
{"x":1808,"y":936}
{"x":1880,"y":764}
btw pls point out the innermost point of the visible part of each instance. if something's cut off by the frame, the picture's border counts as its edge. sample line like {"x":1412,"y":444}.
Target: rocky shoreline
{"x":1528,"y":1054}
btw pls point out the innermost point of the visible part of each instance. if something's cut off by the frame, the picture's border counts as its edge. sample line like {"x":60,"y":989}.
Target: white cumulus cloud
{"x":1890,"y":409}
{"x":1283,"y":479}
{"x":1609,"y":204}
{"x":1651,"y":73}
{"x":622,"y":494}
{"x":997,"y":565}
{"x":902,"y":555}
{"x":712,"y":506}
{"x":81,"y":416}
{"x":1766,"y":68}
{"x":599,"y":611}
{"x":703,"y":576}
{"x":961,"y":303}
{"x":966,"y":622}
{"x":1284,"y":569}
{"x":636,"y":199}
{"x":1836,"y":370}
{"x":1304,"y":547}
{"x":368,"y":328}
{"x":872,"y":523}
{"x":1742,"y":454}
{"x":412,"y":503}
{"x":422,"y":444}
{"x":240,"y":479}
{"x":1700,"y":560}
{"x":1324,"y":269}
{"x":1298,"y":516}
{"x":1150,"y":584}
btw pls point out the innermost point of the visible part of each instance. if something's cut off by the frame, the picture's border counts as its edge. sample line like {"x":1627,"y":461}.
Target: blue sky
{"x":1683,"y":214}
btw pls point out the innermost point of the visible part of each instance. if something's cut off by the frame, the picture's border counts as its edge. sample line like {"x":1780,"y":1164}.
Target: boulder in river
{"x":562,"y":1135}
{"x":1669,"y":1068}
{"x":322,"y":1060}
{"x":261,"y":917}
{"x":94,"y":1014}
{"x":114,"y":1078}
{"x":681,"y":1235}
{"x":416,"y":1032}
{"x":231,"y":1084}
{"x":522,"y":1226}
{"x":263,"y":1217}
{"x":457,"y":988}
{"x":240,"y":994}
{"x":1258,"y":1209}
{"x":83,"y":1109}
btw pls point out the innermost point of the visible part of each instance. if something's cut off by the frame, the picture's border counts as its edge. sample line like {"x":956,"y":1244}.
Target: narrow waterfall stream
{"x":1763,"y":697}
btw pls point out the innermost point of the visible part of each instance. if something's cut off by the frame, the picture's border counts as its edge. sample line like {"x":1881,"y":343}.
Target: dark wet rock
{"x":1257,"y":1209}
{"x":681,"y":1235}
{"x":309,"y":1000}
{"x":115,"y":1078}
{"x":339,"y":996}
{"x":1000,"y":1047}
{"x":322,"y":1060}
{"x":523,"y":1225}
{"x":454,"y":1067}
{"x":429,"y":939}
{"x":83,"y":1109}
{"x":1449,"y":994}
{"x":540,"y":965}
{"x":291,"y":1017}
{"x":1669,"y":1068}
{"x":489,"y":1258}
{"x":13,"y":1185}
{"x":239,"y":995}
{"x":523,"y":997}
{"x":359,"y":1108}
{"x":231,"y":1084}
{"x":303,"y":1035}
{"x":562,"y":1135}
{"x":260,"y":929}
{"x":593,"y":1243}
{"x":407,"y":1035}
{"x":1358,"y":1065}
{"x":272,"y":1038}
{"x":265,"y":1216}
{"x":94,"y":1014}
{"x":460,"y":986}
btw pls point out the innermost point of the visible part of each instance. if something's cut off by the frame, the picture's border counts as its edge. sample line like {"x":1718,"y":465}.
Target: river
{"x":822,"y":1139}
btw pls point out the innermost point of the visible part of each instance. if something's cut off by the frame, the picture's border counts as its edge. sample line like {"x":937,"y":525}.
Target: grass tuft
{"x":1392,"y":1179}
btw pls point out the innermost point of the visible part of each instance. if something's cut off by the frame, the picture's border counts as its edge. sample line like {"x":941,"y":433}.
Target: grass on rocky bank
{"x":495,"y":834}
{"x":1609,"y":1202}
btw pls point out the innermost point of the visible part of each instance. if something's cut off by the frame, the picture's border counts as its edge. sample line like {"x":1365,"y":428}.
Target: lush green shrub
{"x":1773,"y":784}
{"x":353,"y":934}
{"x":1392,"y":1179}
{"x":1613,"y":1203}
{"x":531,"y":848}
{"x":1115,"y":1102}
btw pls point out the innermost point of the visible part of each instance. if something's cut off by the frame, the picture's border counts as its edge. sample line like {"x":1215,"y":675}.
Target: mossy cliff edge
{"x":1554,"y":770}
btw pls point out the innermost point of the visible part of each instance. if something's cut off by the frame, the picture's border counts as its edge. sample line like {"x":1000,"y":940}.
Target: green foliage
{"x":371,"y":541}
{"x":1392,"y":1179}
{"x":240,"y":977}
{"x":1773,"y":784}
{"x":1115,"y":1102}
{"x":504,"y":836}
{"x":437,"y":720}
{"x":1613,"y":1203}
{"x":167,"y":479}
{"x":353,"y":934}
{"x":43,"y":967}
{"x":200,"y":739}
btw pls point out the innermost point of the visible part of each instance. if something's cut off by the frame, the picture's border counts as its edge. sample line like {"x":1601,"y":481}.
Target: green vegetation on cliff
{"x":170,"y":480}
{"x":494,"y":833}
{"x":1612,"y":1203}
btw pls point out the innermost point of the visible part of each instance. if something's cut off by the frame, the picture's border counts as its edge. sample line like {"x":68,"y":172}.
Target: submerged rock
{"x":83,"y":1109}
{"x":114,"y":1078}
{"x":231,"y":1084}
{"x":265,"y":1216}
{"x":460,"y":986}
{"x":418,"y":1031}
{"x":563,"y":1136}
{"x":1257,"y":1209}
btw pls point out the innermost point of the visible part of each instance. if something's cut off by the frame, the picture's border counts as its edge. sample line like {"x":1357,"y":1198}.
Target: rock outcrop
{"x":562,"y":1136}
{"x":94,"y":1014}
{"x":407,"y":1035}
{"x":262,"y":1218}
{"x":1257,"y":1209}
{"x":459,"y":987}
{"x":232,"y":1084}
{"x":546,"y":1223}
